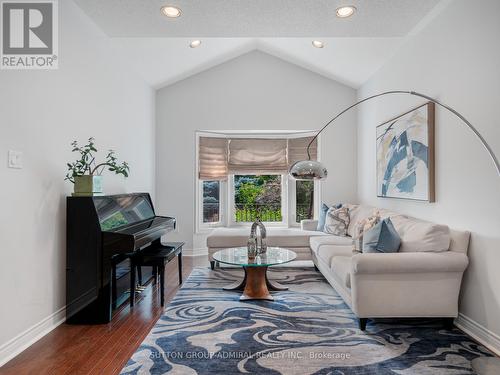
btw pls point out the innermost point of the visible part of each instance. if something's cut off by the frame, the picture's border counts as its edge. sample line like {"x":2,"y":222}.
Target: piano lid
{"x":121,"y":210}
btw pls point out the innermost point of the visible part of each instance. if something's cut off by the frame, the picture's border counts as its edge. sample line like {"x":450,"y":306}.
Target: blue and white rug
{"x":306,"y":330}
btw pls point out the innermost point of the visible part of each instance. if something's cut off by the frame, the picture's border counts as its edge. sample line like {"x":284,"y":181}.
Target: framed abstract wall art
{"x":405,"y":155}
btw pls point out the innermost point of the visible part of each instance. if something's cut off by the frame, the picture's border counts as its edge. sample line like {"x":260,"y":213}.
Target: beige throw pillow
{"x":419,"y":235}
{"x":365,"y":224}
{"x":337,"y":221}
{"x":361,"y":227}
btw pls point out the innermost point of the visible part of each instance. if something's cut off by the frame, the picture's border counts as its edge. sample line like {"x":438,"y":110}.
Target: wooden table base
{"x":255,"y":284}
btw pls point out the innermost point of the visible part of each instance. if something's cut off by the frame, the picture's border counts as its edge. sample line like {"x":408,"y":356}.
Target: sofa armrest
{"x":308,"y":224}
{"x":423,"y":262}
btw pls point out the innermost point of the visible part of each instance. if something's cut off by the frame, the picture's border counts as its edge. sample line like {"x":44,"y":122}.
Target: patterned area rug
{"x":306,"y":330}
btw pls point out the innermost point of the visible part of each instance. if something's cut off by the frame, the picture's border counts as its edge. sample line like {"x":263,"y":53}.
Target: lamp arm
{"x":460,"y":116}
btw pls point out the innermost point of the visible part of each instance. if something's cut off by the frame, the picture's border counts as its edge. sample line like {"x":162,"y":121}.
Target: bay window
{"x":242,"y":177}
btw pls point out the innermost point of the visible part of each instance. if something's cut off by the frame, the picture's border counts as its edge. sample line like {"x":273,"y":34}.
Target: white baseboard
{"x":27,"y":338}
{"x":479,"y":333}
{"x":195,"y":252}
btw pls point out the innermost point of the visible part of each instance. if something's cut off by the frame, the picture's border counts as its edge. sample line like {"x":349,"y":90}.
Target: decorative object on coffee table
{"x":314,"y":170}
{"x":261,"y":239}
{"x":252,"y":248}
{"x":85,"y":172}
{"x":405,"y":155}
{"x":255,"y":284}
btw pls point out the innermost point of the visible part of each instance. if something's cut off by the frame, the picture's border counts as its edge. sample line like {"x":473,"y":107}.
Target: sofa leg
{"x":217,"y":264}
{"x":448,"y":323}
{"x":212,"y":264}
{"x":362,"y":323}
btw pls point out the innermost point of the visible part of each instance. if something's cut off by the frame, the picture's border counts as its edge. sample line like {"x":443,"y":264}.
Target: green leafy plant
{"x":87,"y":165}
{"x":257,"y":197}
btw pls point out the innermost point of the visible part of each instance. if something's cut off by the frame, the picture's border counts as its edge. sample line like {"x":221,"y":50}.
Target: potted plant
{"x":85,"y":173}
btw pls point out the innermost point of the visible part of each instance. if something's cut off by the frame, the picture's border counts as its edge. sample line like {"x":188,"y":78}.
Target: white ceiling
{"x":158,"y":47}
{"x":163,"y":61}
{"x":256,"y":18}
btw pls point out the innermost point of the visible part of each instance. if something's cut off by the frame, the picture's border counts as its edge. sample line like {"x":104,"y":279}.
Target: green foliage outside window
{"x":257,"y":196}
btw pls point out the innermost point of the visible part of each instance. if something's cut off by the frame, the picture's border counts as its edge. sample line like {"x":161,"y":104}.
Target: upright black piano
{"x":102,"y":231}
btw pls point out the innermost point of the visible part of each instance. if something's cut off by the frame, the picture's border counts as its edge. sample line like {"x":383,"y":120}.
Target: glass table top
{"x":238,"y":256}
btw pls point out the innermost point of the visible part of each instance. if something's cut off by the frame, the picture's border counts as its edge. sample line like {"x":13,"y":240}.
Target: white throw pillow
{"x":419,"y":235}
{"x":337,"y":221}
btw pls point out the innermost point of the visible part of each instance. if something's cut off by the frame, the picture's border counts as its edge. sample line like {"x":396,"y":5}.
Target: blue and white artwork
{"x":405,"y":155}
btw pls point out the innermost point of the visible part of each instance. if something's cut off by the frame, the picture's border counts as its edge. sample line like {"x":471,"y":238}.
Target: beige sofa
{"x":421,"y":280}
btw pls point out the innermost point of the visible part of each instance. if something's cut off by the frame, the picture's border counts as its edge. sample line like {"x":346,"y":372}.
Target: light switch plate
{"x":15,"y":159}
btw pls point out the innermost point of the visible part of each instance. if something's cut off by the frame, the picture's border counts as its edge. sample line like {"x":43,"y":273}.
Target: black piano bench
{"x":157,"y":258}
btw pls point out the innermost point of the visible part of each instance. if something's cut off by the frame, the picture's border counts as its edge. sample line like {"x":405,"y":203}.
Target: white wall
{"x":41,"y":112}
{"x":252,"y":92}
{"x":456,"y":59}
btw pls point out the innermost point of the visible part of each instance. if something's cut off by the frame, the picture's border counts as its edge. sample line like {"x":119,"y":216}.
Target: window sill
{"x":246,"y":225}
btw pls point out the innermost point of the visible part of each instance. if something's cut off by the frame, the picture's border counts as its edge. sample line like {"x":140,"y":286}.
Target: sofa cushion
{"x":416,"y":235}
{"x":363,"y":225}
{"x":419,"y":235}
{"x":382,"y":238}
{"x":360,"y":212}
{"x":284,"y":237}
{"x":326,"y":247}
{"x":337,"y":221}
{"x":341,"y":268}
{"x":317,"y":241}
{"x":357,"y":213}
{"x":322,"y":215}
{"x":459,"y":241}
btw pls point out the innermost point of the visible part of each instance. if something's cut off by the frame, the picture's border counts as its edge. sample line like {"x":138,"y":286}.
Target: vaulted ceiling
{"x":157,"y":47}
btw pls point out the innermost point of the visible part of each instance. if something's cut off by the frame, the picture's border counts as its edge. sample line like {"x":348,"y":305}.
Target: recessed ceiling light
{"x":318,"y":44}
{"x":346,"y":11}
{"x":171,"y":11}
{"x":195,"y":43}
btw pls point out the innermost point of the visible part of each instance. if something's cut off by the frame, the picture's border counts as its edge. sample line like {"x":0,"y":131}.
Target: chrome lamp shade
{"x":308,"y":170}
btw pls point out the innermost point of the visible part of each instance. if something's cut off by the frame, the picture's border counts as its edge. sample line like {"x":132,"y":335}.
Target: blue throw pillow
{"x":322,"y":215}
{"x":382,"y":238}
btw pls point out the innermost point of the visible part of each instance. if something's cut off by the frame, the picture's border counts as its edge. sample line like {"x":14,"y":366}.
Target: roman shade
{"x":212,"y":158}
{"x":248,"y":155}
{"x":219,"y":156}
{"x":297,"y":149}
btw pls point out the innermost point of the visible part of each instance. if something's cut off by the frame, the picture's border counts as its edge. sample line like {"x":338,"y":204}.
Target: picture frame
{"x":405,"y":155}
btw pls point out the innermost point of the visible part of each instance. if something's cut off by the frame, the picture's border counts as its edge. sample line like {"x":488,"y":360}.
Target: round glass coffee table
{"x":255,"y":284}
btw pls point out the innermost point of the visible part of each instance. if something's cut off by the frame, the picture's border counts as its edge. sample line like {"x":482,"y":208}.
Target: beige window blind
{"x":212,"y":158}
{"x":218,"y":157}
{"x":257,"y":156}
{"x":297,"y":149}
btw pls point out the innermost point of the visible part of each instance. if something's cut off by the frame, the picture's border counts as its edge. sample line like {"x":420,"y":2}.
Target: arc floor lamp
{"x":314,"y":170}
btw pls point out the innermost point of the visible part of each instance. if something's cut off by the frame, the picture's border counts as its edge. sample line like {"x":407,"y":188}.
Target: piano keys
{"x":102,"y":231}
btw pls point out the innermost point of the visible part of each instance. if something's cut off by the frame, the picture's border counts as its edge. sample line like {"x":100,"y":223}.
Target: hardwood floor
{"x":104,"y":348}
